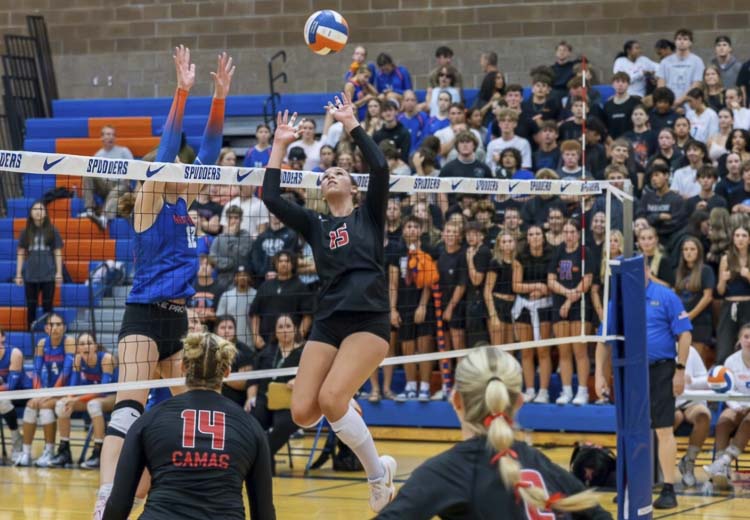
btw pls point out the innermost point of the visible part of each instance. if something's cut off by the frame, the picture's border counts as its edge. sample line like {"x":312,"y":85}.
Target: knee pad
{"x":5,"y":406}
{"x":30,"y":415}
{"x":60,"y":410}
{"x":47,"y":416}
{"x":94,"y":408}
{"x":123,"y":417}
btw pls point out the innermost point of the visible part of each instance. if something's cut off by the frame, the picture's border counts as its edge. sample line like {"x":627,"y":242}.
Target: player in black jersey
{"x":351,"y":329}
{"x":199,"y":447}
{"x":489,"y":475}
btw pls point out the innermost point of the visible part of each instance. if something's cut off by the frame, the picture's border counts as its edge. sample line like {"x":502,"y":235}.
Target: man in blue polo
{"x":667,"y":322}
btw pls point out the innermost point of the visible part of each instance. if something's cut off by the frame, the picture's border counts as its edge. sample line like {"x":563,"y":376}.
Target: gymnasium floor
{"x":46,"y":494}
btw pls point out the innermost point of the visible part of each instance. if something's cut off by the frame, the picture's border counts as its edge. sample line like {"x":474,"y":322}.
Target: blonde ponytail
{"x":206,"y":358}
{"x":489,"y":382}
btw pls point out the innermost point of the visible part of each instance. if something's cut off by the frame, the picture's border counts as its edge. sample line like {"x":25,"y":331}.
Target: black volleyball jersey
{"x":348,"y":251}
{"x":200,"y":448}
{"x":462,"y":484}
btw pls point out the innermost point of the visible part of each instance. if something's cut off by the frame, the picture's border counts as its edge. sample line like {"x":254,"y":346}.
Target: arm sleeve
{"x":169,"y":144}
{"x":64,"y":378}
{"x":38,"y":364}
{"x":212,"y":135}
{"x":258,"y":482}
{"x":129,"y":470}
{"x":14,"y":380}
{"x":108,"y":377}
{"x":75,"y":378}
{"x":526,"y":154}
{"x":377,"y":190}
{"x":289,"y":213}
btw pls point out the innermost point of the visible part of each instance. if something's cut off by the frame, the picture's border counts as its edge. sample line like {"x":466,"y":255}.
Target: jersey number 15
{"x":339,"y":237}
{"x":209,"y":423}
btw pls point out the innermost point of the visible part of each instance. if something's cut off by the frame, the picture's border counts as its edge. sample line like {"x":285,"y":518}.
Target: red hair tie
{"x":491,"y":417}
{"x":518,"y":485}
{"x":553,"y":500}
{"x":502,"y":453}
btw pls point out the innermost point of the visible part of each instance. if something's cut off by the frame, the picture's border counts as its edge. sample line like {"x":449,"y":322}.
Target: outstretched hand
{"x":223,"y":76}
{"x":342,"y":109}
{"x":286,"y":132}
{"x":185,"y":69}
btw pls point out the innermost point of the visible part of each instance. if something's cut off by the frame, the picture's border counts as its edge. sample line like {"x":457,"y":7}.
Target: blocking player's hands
{"x":223,"y":76}
{"x":286,"y":133}
{"x":342,"y":109}
{"x":185,"y":69}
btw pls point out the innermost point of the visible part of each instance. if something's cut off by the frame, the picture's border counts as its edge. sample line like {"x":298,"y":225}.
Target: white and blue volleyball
{"x":720,"y":379}
{"x":326,"y":32}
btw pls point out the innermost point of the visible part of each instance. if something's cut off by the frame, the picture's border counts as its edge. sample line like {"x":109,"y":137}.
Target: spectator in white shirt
{"x":638,"y":67}
{"x":682,"y":70}
{"x":684,"y":179}
{"x":733,"y":99}
{"x":254,"y":213}
{"x":308,"y":143}
{"x":508,"y":120}
{"x":704,"y":121}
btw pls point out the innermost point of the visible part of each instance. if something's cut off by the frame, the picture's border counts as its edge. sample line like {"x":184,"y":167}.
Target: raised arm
{"x":289,"y":213}
{"x":377,"y":190}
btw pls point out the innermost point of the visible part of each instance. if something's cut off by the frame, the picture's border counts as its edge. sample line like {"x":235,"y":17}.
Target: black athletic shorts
{"x":164,"y":322}
{"x":336,"y":327}
{"x":660,"y":375}
{"x":545,"y":315}
{"x":574,"y":313}
{"x":503,"y":309}
{"x":409,"y":330}
{"x":458,"y":320}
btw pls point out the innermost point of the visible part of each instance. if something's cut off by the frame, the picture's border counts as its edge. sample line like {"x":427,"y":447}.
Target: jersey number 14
{"x":339,"y":237}
{"x":208,"y":422}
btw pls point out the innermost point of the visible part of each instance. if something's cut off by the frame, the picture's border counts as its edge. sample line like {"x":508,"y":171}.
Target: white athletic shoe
{"x":45,"y":459}
{"x":564,"y":398}
{"x":529,"y":395}
{"x":101,"y":504}
{"x":23,"y":460}
{"x":582,"y":396}
{"x":719,"y":472}
{"x":383,"y":489}
{"x":17,"y":445}
{"x":542,"y":397}
{"x":687,"y":469}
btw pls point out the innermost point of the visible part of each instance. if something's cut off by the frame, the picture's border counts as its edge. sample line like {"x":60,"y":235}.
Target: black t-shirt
{"x":570,"y":130}
{"x":644,"y":146}
{"x":399,"y":135}
{"x":276,"y":297}
{"x":462,"y":484}
{"x":726,"y":187}
{"x":482,"y":259}
{"x":549,"y":110}
{"x":200,"y":448}
{"x":207,"y":209}
{"x":663,"y":272}
{"x":502,"y":205}
{"x":739,"y":196}
{"x":536,"y":209}
{"x":245,"y":358}
{"x":690,"y":299}
{"x":473,"y":170}
{"x":408,"y":293}
{"x":535,"y":267}
{"x":504,"y":276}
{"x":657,"y":120}
{"x":618,"y":115}
{"x":714,"y":201}
{"x":269,"y":358}
{"x":270,"y":243}
{"x":206,"y":296}
{"x":567,"y":266}
{"x":349,"y":252}
{"x":453,"y":270}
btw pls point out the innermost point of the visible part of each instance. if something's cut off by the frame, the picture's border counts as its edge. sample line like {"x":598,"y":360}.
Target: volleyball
{"x":326,"y":31}
{"x":720,"y":379}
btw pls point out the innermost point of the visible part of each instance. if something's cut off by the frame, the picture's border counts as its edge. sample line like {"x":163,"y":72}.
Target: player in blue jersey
{"x":258,"y":155}
{"x":53,"y":360}
{"x":91,"y":366}
{"x":166,"y":262}
{"x":12,"y":377}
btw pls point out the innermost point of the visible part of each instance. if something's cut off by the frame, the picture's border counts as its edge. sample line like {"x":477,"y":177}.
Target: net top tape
{"x":117,"y":169}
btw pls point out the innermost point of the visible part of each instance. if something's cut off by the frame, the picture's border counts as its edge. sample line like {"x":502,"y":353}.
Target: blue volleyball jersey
{"x":53,"y":367}
{"x":5,"y":362}
{"x":257,"y":158}
{"x":166,"y":258}
{"x":359,"y":93}
{"x":416,"y":126}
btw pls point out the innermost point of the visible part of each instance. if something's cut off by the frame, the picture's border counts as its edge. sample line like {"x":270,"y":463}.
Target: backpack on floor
{"x":594,"y":466}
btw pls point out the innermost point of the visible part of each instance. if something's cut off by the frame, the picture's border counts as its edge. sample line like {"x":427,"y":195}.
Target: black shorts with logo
{"x":341,"y":324}
{"x":164,"y":322}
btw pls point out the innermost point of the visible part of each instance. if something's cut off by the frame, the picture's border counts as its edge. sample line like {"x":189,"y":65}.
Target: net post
{"x":627,"y":220}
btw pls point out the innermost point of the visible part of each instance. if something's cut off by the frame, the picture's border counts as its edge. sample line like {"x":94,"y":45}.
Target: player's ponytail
{"x":489,"y":382}
{"x":205,"y":359}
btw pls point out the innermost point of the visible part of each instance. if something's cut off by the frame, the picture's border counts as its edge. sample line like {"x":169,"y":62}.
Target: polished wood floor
{"x":46,"y":494}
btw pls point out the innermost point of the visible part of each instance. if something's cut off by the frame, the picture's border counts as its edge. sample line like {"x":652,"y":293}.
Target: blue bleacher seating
{"x":22,"y":340}
{"x":39,"y":145}
{"x":35,"y":186}
{"x":8,"y":248}
{"x":120,"y":228}
{"x":7,"y":270}
{"x":68,"y":314}
{"x":75,"y":295}
{"x":54,"y":128}
{"x":19,"y":208}
{"x":6,"y":228}
{"x":12,"y":295}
